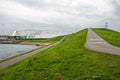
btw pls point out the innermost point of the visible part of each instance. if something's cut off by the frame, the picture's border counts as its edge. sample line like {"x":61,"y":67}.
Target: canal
{"x":8,"y":50}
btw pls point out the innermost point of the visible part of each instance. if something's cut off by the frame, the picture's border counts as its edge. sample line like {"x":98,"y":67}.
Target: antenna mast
{"x":106,"y":25}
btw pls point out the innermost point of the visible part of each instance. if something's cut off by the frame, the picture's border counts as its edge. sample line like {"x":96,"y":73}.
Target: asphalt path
{"x":19,"y":58}
{"x":96,"y":43}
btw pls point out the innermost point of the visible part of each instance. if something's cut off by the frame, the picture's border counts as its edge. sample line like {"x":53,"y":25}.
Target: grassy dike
{"x":68,"y":60}
{"x":34,"y":41}
{"x":113,"y":37}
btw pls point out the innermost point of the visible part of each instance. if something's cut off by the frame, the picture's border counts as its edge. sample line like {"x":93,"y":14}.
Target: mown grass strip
{"x":68,"y":60}
{"x":113,"y":37}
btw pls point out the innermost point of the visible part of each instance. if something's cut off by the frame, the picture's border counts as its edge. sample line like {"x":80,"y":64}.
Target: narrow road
{"x":96,"y":43}
{"x":19,"y":58}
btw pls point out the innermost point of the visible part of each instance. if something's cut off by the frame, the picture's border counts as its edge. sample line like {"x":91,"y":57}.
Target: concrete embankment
{"x":9,"y":42}
{"x":36,"y":43}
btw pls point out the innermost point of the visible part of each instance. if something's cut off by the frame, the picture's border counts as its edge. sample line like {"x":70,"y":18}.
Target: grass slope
{"x":111,"y":36}
{"x":68,"y":60}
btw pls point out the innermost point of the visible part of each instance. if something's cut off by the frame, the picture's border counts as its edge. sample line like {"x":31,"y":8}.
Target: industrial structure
{"x":38,"y":33}
{"x":4,"y":36}
{"x":106,"y":24}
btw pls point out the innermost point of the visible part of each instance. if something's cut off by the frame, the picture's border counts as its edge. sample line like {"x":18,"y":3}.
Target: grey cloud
{"x":8,"y":24}
{"x":116,"y":4}
{"x":67,"y":16}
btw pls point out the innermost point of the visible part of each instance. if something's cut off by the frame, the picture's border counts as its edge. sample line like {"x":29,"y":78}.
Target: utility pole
{"x":106,"y":24}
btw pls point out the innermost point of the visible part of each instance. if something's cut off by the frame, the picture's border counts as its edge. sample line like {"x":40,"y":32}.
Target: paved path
{"x":19,"y":58}
{"x":96,"y":43}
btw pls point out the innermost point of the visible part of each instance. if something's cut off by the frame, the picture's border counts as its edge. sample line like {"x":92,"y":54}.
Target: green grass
{"x":42,"y":39}
{"x":68,"y":60}
{"x":113,"y":37}
{"x":54,"y":39}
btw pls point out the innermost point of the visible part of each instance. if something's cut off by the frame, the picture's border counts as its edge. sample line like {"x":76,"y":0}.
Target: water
{"x":8,"y":50}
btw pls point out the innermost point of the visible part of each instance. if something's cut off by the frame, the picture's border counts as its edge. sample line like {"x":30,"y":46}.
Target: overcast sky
{"x":58,"y":14}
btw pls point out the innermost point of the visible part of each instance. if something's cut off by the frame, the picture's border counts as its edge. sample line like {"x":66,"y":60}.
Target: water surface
{"x":8,"y":50}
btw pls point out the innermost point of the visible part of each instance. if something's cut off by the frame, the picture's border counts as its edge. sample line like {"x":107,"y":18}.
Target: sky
{"x":67,"y":15}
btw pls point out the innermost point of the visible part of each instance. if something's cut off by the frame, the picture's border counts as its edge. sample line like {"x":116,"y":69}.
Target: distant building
{"x":4,"y":36}
{"x":17,"y":37}
{"x":32,"y":34}
{"x":10,"y":37}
